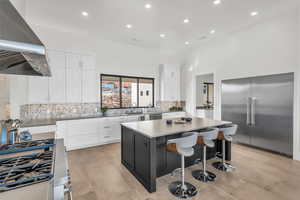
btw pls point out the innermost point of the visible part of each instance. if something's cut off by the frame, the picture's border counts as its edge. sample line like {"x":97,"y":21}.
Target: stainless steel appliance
{"x":35,"y":170}
{"x":154,"y":116}
{"x":21,"y":51}
{"x":263,"y":108}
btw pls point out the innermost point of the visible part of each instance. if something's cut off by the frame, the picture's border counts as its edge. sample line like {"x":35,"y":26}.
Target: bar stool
{"x":225,"y":134}
{"x":184,"y":147}
{"x":205,"y":138}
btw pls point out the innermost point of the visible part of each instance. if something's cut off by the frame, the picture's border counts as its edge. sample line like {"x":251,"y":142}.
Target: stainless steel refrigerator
{"x":263,"y":108}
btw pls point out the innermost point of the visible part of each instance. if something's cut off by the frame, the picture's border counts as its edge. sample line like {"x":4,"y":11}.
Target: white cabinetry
{"x":169,"y":82}
{"x":57,"y":82}
{"x":38,"y":90}
{"x":84,"y":133}
{"x":89,"y":86}
{"x":74,"y":80}
{"x":74,"y":85}
{"x":57,"y":86}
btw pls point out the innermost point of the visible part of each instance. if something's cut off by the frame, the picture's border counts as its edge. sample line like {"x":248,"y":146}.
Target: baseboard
{"x":94,"y":145}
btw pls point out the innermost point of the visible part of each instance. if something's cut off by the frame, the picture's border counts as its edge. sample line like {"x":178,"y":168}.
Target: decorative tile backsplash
{"x":166,"y":105}
{"x":73,"y":110}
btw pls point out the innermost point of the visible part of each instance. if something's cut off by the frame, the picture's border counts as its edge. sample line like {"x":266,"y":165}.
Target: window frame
{"x":120,"y":92}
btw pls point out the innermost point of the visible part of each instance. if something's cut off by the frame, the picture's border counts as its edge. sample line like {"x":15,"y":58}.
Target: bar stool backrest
{"x":187,"y":141}
{"x":229,"y":130}
{"x":210,"y":134}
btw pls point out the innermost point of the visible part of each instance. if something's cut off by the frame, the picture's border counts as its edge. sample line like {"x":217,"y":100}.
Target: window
{"x":126,"y":91}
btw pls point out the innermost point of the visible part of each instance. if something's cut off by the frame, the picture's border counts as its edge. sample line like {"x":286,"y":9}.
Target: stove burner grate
{"x":26,"y":146}
{"x":25,"y":170}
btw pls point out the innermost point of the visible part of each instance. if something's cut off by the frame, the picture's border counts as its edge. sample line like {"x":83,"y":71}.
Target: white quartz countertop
{"x":159,"y":128}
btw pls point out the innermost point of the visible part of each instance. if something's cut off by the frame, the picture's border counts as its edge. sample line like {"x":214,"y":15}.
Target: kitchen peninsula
{"x":144,"y":152}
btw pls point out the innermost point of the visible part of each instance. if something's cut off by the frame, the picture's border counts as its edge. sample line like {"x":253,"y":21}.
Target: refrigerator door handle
{"x":253,"y":101}
{"x":248,"y":111}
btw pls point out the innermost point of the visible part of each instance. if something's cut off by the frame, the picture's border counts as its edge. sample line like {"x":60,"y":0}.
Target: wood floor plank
{"x":97,"y":174}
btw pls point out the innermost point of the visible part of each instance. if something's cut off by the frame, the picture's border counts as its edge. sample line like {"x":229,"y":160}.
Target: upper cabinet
{"x":88,"y":62}
{"x":57,"y":82}
{"x":38,"y":90}
{"x":169,"y":83}
{"x":74,"y":80}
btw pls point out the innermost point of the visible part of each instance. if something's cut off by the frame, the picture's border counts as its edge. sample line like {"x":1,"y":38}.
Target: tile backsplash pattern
{"x":166,"y":105}
{"x":61,"y":111}
{"x":73,"y":110}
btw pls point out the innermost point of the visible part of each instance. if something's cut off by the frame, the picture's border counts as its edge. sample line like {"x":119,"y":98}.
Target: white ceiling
{"x":107,"y":18}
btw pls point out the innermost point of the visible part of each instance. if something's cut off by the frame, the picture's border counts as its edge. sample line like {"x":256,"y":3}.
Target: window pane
{"x":111,"y":91}
{"x":146,"y":87}
{"x":129,"y":92}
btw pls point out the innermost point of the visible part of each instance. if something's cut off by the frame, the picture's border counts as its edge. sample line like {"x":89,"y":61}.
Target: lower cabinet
{"x":136,"y":154}
{"x":141,"y":161}
{"x":128,"y":148}
{"x":84,"y":133}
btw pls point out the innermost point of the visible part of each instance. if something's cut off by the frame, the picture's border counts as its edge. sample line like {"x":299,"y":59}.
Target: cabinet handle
{"x":106,"y":126}
{"x":107,"y":136}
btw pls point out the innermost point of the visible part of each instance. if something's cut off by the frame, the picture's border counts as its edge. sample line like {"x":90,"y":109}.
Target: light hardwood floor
{"x":97,"y":174}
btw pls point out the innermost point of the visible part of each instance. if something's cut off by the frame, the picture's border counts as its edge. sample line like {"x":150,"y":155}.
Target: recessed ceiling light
{"x":212,"y":32}
{"x":186,"y":21}
{"x":128,"y":26}
{"x":217,"y":2}
{"x":187,"y":43}
{"x":84,"y":13}
{"x":148,"y":6}
{"x":162,"y":35}
{"x":254,"y":13}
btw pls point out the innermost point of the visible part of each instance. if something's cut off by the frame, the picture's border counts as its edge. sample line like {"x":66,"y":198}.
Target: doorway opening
{"x":205,"y":90}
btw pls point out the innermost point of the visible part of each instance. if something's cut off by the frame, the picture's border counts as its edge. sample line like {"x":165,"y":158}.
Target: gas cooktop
{"x":20,"y":171}
{"x":26,"y":146}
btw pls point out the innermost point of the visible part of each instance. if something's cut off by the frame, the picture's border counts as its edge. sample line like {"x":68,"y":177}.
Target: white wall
{"x":270,"y":47}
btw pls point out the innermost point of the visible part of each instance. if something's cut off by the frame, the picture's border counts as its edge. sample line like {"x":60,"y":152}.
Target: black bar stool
{"x":225,"y":134}
{"x":205,"y":138}
{"x":184,"y":147}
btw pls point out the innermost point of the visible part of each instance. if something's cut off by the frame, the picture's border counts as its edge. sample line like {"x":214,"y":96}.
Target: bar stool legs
{"x":181,"y":188}
{"x":204,"y":175}
{"x":223,"y":166}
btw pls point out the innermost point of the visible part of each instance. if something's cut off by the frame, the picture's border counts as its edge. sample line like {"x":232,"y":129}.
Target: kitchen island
{"x":144,"y":153}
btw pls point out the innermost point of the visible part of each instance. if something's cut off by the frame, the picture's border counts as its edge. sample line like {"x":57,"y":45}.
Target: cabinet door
{"x":88,"y":62}
{"x":56,"y":59}
{"x":128,"y":147}
{"x":57,"y":82}
{"x":38,"y":90}
{"x":141,"y":162}
{"x":57,"y":86}
{"x":89,"y":86}
{"x":74,"y":85}
{"x":73,"y":61}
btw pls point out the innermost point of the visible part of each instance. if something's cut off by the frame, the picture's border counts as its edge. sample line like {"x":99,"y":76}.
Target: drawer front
{"x":79,"y":127}
{"x":81,"y":141}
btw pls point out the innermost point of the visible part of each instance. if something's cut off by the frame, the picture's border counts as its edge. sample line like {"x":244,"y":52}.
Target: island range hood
{"x":21,"y":51}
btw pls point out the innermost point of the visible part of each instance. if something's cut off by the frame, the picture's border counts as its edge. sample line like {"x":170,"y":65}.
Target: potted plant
{"x":104,"y":110}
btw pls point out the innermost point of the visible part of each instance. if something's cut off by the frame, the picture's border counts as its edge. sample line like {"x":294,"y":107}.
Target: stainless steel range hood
{"x":21,"y":51}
